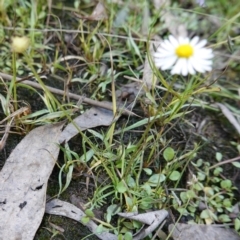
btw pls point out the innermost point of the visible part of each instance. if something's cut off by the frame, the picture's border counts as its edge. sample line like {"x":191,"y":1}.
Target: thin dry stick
{"x":225,"y":162}
{"x":105,"y":105}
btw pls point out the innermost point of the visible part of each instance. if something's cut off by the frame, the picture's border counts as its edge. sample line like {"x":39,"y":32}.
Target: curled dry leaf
{"x":151,"y":219}
{"x":61,"y":208}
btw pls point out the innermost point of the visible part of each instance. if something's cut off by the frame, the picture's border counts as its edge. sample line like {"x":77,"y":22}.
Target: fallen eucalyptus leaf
{"x":23,"y":182}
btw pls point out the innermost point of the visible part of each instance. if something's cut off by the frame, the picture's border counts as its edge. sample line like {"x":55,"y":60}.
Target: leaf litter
{"x":24,"y":177}
{"x":23,"y":182}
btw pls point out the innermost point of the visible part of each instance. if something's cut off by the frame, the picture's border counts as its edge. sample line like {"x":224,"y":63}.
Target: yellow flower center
{"x":184,"y":51}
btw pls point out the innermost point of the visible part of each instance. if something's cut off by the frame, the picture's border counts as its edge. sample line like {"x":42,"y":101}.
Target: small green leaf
{"x":121,"y":188}
{"x":199,"y":162}
{"x":148,"y":171}
{"x":192,"y":209}
{"x":100,"y":229}
{"x":237,"y":224}
{"x":208,"y":214}
{"x":227,"y":202}
{"x":175,"y":175}
{"x":238,"y":148}
{"x":217,"y":171}
{"x":113,"y":209}
{"x":131,"y":182}
{"x":236,"y":164}
{"x":183,"y":196}
{"x":155,"y":179}
{"x":146,"y":203}
{"x":128,"y":236}
{"x":205,"y":214}
{"x":129,"y":202}
{"x":190,"y":194}
{"x":201,"y":176}
{"x":224,"y":218}
{"x":89,"y":213}
{"x":168,"y":154}
{"x":198,"y":186}
{"x":85,"y":220}
{"x":128,"y":225}
{"x":182,"y":211}
{"x":208,"y":191}
{"x":218,"y":156}
{"x":219,"y":198}
{"x":96,"y":134}
{"x":216,"y":179}
{"x":136,"y":224}
{"x":226,"y":184}
{"x":120,"y":237}
{"x":214,"y":203}
{"x":108,"y":217}
{"x":134,"y":208}
{"x":147,"y":188}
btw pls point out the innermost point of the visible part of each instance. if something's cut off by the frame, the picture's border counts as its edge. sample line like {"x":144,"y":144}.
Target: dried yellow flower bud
{"x":20,"y":44}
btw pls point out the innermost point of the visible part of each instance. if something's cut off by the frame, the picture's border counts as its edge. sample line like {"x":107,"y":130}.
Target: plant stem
{"x":13,"y":87}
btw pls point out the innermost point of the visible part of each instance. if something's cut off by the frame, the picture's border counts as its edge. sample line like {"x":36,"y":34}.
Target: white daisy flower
{"x":183,"y":56}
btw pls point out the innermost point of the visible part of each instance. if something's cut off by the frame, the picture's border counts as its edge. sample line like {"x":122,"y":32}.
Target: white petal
{"x":163,"y":53}
{"x":194,"y":41}
{"x":177,"y":69}
{"x":166,"y":45}
{"x":169,"y":62}
{"x":204,"y":53}
{"x":198,"y":67}
{"x":184,"y":67}
{"x":201,"y":44}
{"x":173,"y":41}
{"x":207,"y":68}
{"x":183,"y":40}
{"x":205,"y":62}
{"x":159,"y":63}
{"x":190,"y":67}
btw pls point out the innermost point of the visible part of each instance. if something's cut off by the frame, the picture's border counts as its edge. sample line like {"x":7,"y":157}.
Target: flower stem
{"x":12,"y":91}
